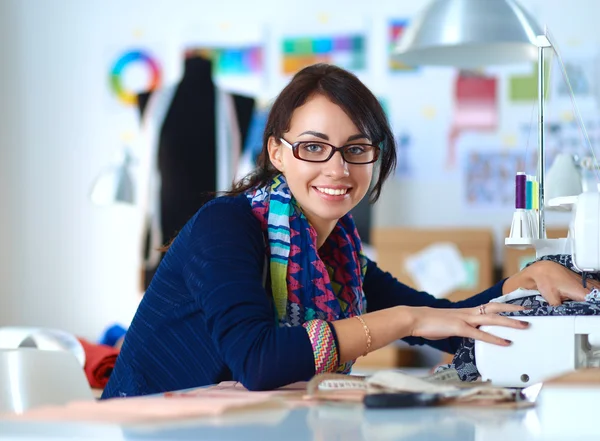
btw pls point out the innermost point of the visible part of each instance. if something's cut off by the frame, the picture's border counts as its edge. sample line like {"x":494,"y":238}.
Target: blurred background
{"x":116,"y":116}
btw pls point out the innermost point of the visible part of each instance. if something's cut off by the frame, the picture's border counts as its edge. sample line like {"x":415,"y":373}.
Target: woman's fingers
{"x":478,"y":334}
{"x":498,"y":320}
{"x":495,"y":308}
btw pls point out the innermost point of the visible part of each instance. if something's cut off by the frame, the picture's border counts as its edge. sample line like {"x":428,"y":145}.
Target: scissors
{"x":424,"y":399}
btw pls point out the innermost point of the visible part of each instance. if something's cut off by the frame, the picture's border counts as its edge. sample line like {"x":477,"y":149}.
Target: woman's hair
{"x":342,"y":88}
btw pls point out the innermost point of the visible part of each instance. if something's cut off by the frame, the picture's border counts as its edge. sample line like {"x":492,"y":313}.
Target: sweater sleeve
{"x":224,"y":275}
{"x":383,"y":290}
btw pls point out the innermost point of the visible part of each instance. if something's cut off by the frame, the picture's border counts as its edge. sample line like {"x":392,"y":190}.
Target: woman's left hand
{"x":555,"y":282}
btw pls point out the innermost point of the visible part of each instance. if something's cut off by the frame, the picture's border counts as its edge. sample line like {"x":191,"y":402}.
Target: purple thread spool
{"x":520,"y":190}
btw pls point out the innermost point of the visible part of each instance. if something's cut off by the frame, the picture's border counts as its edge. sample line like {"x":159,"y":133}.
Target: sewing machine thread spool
{"x":529,"y":193}
{"x":521,"y":191}
{"x":523,"y":224}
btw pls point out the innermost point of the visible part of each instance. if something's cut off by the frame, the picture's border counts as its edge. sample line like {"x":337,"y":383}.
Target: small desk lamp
{"x":115,"y":185}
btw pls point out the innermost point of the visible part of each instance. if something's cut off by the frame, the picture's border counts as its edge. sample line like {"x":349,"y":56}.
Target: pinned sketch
{"x":396,"y":29}
{"x":524,"y":87}
{"x":346,"y":50}
{"x":236,"y":53}
{"x":490,"y":177}
{"x":239,"y":60}
{"x":565,"y":136}
{"x":438,"y":269}
{"x":404,"y":166}
{"x":475,"y":108}
{"x":579,"y":73}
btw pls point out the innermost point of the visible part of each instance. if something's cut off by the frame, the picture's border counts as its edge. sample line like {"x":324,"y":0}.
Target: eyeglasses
{"x":319,"y":151}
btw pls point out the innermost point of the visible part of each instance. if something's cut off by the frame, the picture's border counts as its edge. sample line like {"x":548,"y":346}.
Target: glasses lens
{"x":360,"y":153}
{"x":313,"y":151}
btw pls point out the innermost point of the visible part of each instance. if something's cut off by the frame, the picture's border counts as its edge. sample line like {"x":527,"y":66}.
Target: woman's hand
{"x":555,"y":282}
{"x":436,"y":323}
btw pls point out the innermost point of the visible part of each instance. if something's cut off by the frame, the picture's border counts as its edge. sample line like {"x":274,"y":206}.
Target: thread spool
{"x":529,"y":193}
{"x":520,"y":191}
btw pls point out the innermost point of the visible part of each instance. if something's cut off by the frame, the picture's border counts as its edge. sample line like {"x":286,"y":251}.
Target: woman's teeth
{"x":331,"y":191}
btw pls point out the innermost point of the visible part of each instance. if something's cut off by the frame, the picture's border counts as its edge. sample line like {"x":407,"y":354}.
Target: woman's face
{"x":326,"y":191}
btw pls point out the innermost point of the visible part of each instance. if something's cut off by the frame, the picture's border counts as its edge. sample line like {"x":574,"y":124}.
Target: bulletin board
{"x":461,"y":135}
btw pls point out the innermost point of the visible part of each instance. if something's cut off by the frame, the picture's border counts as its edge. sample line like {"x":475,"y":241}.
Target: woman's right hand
{"x":438,"y":323}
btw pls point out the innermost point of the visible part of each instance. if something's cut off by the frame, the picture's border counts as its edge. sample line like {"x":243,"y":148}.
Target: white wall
{"x":66,"y":263}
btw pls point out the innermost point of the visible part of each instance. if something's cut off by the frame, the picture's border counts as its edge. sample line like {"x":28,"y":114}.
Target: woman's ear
{"x":275,"y":153}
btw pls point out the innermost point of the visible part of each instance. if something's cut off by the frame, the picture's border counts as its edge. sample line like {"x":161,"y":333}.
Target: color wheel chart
{"x":128,"y":96}
{"x":234,"y":60}
{"x":347,"y":51}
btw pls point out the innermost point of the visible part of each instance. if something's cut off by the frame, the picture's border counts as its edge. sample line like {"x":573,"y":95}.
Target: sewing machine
{"x":553,"y":344}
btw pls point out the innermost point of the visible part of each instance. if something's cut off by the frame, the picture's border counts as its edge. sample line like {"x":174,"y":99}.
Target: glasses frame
{"x":294,"y":147}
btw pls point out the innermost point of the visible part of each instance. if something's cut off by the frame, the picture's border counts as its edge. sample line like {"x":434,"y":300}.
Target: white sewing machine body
{"x":553,"y":344}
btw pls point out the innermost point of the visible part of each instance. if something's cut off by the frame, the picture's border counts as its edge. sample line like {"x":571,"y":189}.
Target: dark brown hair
{"x":342,"y":88}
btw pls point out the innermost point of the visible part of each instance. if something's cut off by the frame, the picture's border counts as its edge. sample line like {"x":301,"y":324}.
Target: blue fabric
{"x":111,"y":336}
{"x":206,"y":318}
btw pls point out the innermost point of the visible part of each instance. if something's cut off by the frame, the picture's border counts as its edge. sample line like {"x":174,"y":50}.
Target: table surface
{"x":560,"y":419}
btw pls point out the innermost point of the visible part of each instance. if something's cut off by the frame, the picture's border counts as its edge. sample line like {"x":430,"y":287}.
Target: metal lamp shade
{"x":470,"y":33}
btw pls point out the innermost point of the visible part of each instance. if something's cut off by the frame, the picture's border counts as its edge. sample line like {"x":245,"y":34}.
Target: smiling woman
{"x":268,"y":284}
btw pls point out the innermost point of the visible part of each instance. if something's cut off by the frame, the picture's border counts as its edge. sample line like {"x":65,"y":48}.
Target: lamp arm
{"x":542,"y":43}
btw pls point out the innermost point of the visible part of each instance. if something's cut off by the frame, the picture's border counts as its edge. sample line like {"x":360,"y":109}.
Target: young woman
{"x":268,"y":285}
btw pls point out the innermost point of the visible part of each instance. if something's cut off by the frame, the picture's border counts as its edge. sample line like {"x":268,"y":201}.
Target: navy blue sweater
{"x":206,"y":316}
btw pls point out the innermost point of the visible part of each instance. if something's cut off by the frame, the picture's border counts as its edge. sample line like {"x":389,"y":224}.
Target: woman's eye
{"x":313,"y":148}
{"x":356,"y":149}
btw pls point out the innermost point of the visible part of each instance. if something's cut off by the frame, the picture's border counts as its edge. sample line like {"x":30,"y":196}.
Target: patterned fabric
{"x":464,"y":359}
{"x":324,"y":348}
{"x":306,"y":284}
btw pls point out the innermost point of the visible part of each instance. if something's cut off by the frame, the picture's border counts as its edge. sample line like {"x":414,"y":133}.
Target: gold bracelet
{"x":367,"y":334}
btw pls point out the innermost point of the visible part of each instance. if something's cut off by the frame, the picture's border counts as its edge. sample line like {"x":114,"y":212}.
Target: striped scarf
{"x":307,"y":285}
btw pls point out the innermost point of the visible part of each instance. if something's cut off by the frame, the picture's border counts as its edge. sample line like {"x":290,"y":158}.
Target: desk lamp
{"x":115,"y":184}
{"x":474,"y":33}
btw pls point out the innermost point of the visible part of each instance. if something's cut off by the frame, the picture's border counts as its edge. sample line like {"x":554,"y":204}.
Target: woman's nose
{"x":336,"y":167}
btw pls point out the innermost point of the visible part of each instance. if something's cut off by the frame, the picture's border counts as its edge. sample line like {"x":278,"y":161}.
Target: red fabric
{"x":99,"y":363}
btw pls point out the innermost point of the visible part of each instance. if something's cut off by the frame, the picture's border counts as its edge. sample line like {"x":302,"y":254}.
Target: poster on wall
{"x":475,"y":108}
{"x":395,"y":31}
{"x":133,"y":67}
{"x":134,"y":70}
{"x":324,"y":38}
{"x":565,"y":135}
{"x":237,"y":67}
{"x":345,"y":49}
{"x":522,"y":87}
{"x":489,"y":176}
{"x":237,"y":54}
{"x":488,"y":168}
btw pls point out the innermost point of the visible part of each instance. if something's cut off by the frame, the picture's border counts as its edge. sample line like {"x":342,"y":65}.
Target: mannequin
{"x":186,"y":150}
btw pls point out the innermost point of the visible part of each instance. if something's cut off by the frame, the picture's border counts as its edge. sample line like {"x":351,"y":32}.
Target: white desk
{"x":562,"y":416}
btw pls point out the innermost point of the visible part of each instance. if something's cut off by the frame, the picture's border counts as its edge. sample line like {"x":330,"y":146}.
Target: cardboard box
{"x":394,"y":245}
{"x":515,"y":260}
{"x":390,"y":356}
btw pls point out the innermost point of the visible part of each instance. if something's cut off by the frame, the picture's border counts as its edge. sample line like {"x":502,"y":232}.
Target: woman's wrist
{"x":407,"y":319}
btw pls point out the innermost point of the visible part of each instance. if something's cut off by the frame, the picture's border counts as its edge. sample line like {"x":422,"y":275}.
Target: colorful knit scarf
{"x":307,"y":285}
